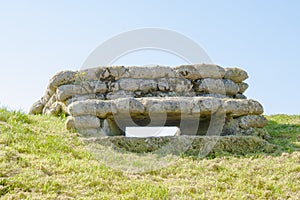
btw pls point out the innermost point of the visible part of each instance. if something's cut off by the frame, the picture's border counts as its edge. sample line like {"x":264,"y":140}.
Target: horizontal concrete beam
{"x":173,"y":105}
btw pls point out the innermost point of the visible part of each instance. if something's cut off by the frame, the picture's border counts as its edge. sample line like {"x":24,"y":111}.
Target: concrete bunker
{"x":102,"y":101}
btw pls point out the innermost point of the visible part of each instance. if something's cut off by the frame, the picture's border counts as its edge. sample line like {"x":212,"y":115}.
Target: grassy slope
{"x":39,"y":159}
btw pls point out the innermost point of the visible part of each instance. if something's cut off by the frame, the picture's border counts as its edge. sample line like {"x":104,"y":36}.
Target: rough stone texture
{"x":230,"y":87}
{"x":83,"y":122}
{"x":117,"y":72}
{"x":61,"y":78}
{"x":252,"y":121}
{"x":90,"y":107}
{"x":242,"y":87}
{"x":236,"y":74}
{"x":111,"y":128}
{"x":66,"y":91}
{"x":151,"y":72}
{"x":47,"y":96}
{"x":200,"y":71}
{"x":37,"y":108}
{"x":240,"y":96}
{"x":55,"y":109}
{"x":84,"y":97}
{"x":103,"y":101}
{"x":239,"y":107}
{"x":164,"y":81}
{"x":179,"y":85}
{"x":218,"y":86}
{"x":209,"y":85}
{"x":179,"y":105}
{"x":91,"y":74}
{"x":119,"y":94}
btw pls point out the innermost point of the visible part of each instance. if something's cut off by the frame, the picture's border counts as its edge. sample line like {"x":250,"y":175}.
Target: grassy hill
{"x":40,"y":159}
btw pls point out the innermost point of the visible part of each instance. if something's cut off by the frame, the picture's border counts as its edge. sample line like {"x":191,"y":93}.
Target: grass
{"x":285,"y":131}
{"x":40,"y":159}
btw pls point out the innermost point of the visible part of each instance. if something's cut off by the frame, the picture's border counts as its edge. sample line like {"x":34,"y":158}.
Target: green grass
{"x":40,"y":159}
{"x":285,"y":131}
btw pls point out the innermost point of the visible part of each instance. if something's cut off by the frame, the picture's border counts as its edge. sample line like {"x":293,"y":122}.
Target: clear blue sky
{"x":39,"y":38}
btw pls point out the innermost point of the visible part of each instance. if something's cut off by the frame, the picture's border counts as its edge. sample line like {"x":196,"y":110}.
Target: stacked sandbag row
{"x":110,"y":117}
{"x":106,"y":99}
{"x":106,"y":83}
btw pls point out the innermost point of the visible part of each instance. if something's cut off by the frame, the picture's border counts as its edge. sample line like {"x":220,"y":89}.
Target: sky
{"x":41,"y":38}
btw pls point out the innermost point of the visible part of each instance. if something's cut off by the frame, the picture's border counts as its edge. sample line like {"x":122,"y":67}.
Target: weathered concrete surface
{"x":252,"y":121}
{"x":103,"y":101}
{"x":61,"y":78}
{"x":119,"y":81}
{"x":200,"y":71}
{"x":87,"y":121}
{"x":185,"y":105}
{"x":242,"y":87}
{"x":37,"y":108}
{"x":64,"y":92}
{"x":235,"y":74}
